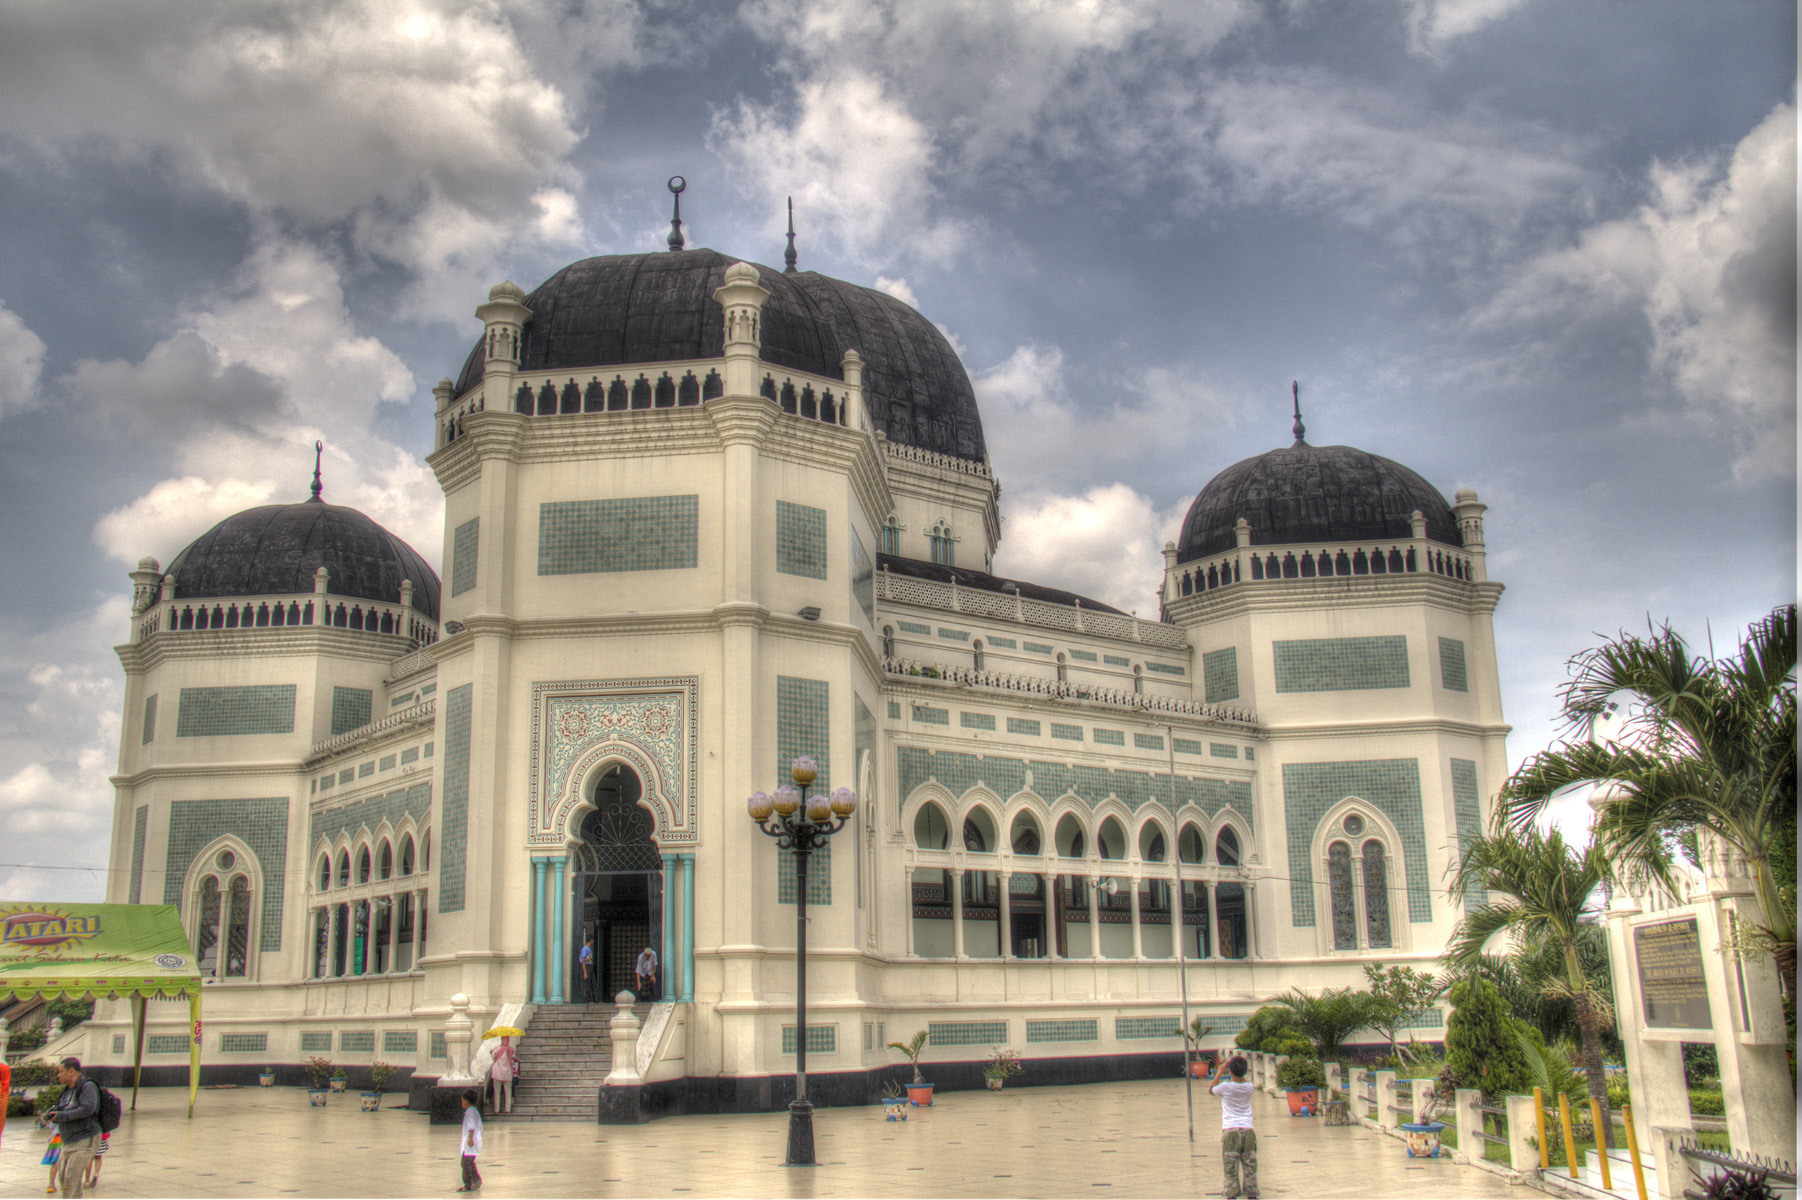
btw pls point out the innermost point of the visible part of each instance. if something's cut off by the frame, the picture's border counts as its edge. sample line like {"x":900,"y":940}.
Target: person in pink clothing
{"x":506,"y":1067}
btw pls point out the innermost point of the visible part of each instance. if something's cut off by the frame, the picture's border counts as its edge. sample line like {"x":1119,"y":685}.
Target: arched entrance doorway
{"x":617,"y":878}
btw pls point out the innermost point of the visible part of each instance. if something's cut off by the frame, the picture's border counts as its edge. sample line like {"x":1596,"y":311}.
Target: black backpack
{"x":110,"y":1110}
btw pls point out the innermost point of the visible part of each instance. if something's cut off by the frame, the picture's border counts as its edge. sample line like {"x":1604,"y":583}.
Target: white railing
{"x":1054,"y":689}
{"x":417,"y":715}
{"x":311,"y":609}
{"x":406,"y":664}
{"x":1331,"y":560}
{"x":1010,"y":606}
{"x":932,"y":458}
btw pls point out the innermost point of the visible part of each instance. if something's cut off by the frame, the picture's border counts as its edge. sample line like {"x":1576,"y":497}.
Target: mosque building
{"x":701,"y":517}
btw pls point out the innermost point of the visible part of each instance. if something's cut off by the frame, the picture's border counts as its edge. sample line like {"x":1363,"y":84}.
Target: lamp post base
{"x":800,"y":1134}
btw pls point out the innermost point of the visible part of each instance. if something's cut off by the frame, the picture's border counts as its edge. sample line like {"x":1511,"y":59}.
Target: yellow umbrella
{"x":503,"y":1031}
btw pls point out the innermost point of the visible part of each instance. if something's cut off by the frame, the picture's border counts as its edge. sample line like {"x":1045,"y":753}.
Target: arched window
{"x":385,"y":862}
{"x":891,"y":535}
{"x":1070,"y":839}
{"x":1191,"y":847}
{"x":1376,"y":895}
{"x":325,"y":871}
{"x":1111,"y":839}
{"x":931,"y":831}
{"x":425,"y":851}
{"x":888,"y":641}
{"x":206,"y":933}
{"x":1026,"y":835}
{"x":1339,"y":883}
{"x":363,"y":865}
{"x":943,"y":546}
{"x":976,"y":654}
{"x":1226,"y":848}
{"x":343,"y":868}
{"x":1063,"y":669}
{"x":406,"y":855}
{"x":974,"y":838}
{"x":237,"y":930}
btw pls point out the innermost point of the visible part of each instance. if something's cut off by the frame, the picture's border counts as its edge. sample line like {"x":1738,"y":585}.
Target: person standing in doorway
{"x":587,"y":960}
{"x":646,"y":969}
{"x":1238,"y":1140}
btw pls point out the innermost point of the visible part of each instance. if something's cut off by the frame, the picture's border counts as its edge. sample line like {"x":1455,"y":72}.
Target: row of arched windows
{"x":804,"y":403}
{"x":383,"y":864}
{"x":375,"y":934}
{"x":263,"y":615}
{"x":1325,"y":564}
{"x":549,"y":400}
{"x":932,"y":831}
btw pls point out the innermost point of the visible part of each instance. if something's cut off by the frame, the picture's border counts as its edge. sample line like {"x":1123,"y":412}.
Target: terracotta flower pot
{"x":1198,"y":1069}
{"x":1303,"y":1102}
{"x":920,"y":1095}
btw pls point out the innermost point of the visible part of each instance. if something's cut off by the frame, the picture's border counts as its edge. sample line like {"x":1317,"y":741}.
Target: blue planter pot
{"x":1423,"y":1139}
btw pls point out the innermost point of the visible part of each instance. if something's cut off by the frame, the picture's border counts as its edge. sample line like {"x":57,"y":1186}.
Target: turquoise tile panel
{"x":1392,"y":785}
{"x":894,"y":710}
{"x":149,"y":721}
{"x":821,"y":1039}
{"x":1001,"y":643}
{"x":1109,"y":737}
{"x":1114,"y":660}
{"x":1064,"y":1030}
{"x":140,"y":823}
{"x":435,"y":1047}
{"x":243,"y":1043}
{"x":966,"y":1033}
{"x":913,"y":627}
{"x":1067,"y":733}
{"x":1006,"y":777}
{"x":1131,"y":1029}
{"x":926,"y":714}
{"x":356,"y":1041}
{"x":1084,"y":656}
{"x":166,"y":1043}
{"x":1036,"y":647}
{"x":232,"y":711}
{"x":350,"y":708}
{"x":1220,"y":675}
{"x":970,"y":720}
{"x":453,"y":823}
{"x":1165,"y":669}
{"x":1353,"y":664}
{"x":863,"y":578}
{"x":400,"y":1041}
{"x":800,"y":540}
{"x":804,"y":726}
{"x":1452,"y":675}
{"x":639,"y":533}
{"x":1222,"y":750}
{"x":369,"y":812}
{"x":1022,"y":727}
{"x":465,"y":543}
{"x":1186,"y":745}
{"x":1148,"y":741}
{"x":819,"y":877}
{"x":260,"y":824}
{"x":409,"y":755}
{"x":1467,"y":809}
{"x":955,"y":635}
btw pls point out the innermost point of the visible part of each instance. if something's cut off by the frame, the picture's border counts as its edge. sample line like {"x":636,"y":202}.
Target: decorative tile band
{"x":1452,"y":675}
{"x":1001,"y":643}
{"x":1352,"y":664}
{"x":913,"y":627}
{"x":1222,"y":750}
{"x":1187,"y":745}
{"x":453,"y":842}
{"x":821,"y":1039}
{"x":1063,"y":1030}
{"x":928,"y":715}
{"x":642,"y":533}
{"x":1114,"y":660}
{"x":955,"y":635}
{"x":1022,"y":727}
{"x":970,"y":720}
{"x":1148,"y":741}
{"x":1084,"y":656}
{"x":243,"y":1043}
{"x":966,"y":1033}
{"x":1007,"y":777}
{"x":800,"y":540}
{"x":234,"y":711}
{"x":1068,"y":733}
{"x":1220,"y":675}
{"x":1109,"y":737}
{"x":1036,"y":647}
{"x":1127,"y":1029}
{"x":1165,"y":669}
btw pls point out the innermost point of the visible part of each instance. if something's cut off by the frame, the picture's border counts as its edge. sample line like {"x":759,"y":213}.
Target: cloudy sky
{"x":1541,"y":249}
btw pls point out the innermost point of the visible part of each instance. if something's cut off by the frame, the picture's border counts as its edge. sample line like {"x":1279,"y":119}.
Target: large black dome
{"x":640,"y":308}
{"x":1309,"y":493}
{"x":274,"y":550}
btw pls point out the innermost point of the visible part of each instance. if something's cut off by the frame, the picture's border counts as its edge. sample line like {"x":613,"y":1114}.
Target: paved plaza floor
{"x":1110,"y":1139}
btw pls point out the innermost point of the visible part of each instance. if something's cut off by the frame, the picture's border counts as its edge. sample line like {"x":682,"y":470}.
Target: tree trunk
{"x":1592,"y":1060}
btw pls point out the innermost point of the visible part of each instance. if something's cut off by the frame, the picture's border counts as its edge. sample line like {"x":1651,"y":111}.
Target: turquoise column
{"x":559,"y":951}
{"x":669,"y":926}
{"x":688,"y":927}
{"x":538,"y":931}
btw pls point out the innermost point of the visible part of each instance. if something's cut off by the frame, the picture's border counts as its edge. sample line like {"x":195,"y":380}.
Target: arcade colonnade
{"x":553,"y":929}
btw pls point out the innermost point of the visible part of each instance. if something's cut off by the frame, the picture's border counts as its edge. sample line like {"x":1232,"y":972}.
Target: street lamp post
{"x":800,"y":823}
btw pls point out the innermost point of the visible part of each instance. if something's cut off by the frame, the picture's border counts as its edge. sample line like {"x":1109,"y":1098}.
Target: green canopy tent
{"x":104,"y":951}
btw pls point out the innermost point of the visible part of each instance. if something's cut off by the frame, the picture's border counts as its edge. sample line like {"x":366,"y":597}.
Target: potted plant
{"x":1301,"y":1079}
{"x":894,"y":1101}
{"x":1423,"y":1132}
{"x":1197,"y":1065}
{"x":340,"y":1079}
{"x":1000,"y":1067}
{"x":919,"y":1092}
{"x":379,"y":1073}
{"x":319,"y":1070}
{"x":266,"y":1077}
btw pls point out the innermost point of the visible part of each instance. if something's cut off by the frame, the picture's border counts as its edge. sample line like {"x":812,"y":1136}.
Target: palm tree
{"x":1707,"y":744}
{"x":1540,"y":891}
{"x":1329,"y":1018}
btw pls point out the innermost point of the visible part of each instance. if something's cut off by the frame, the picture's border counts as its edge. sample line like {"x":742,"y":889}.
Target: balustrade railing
{"x":417,"y":714}
{"x":1054,"y":689}
{"x":1008,"y":606}
{"x":285,"y":612}
{"x":1280,"y":564}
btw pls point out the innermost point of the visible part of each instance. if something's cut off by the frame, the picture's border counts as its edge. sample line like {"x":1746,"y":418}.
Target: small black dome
{"x":274,"y":550}
{"x":658,"y":307}
{"x":1313,"y":494}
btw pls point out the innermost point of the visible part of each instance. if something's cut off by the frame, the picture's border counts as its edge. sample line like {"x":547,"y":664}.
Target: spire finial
{"x":788,"y":256}
{"x":318,"y":487}
{"x":677,"y":185}
{"x":1299,"y":430}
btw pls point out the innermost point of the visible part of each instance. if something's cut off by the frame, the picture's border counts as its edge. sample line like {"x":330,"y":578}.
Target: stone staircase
{"x":564,"y":1058}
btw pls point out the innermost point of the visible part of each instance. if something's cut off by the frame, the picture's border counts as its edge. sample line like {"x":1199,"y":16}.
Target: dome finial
{"x":1299,"y":430}
{"x":788,"y":256}
{"x":318,"y":487}
{"x":677,"y":185}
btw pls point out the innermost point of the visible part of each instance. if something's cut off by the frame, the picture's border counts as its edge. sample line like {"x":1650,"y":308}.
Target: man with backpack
{"x":79,"y":1116}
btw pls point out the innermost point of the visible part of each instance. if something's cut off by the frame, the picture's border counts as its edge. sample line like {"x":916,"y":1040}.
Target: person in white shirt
{"x":471,"y":1144}
{"x":646,"y":969}
{"x":1238,"y":1140}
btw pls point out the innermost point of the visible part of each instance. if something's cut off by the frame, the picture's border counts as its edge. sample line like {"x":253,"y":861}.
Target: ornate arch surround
{"x":581,"y":727}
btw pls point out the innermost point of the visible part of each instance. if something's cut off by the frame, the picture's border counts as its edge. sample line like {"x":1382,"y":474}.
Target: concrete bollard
{"x":1467,"y":1104}
{"x":623,"y":1029}
{"x":1386,"y":1117}
{"x":1521,"y":1121}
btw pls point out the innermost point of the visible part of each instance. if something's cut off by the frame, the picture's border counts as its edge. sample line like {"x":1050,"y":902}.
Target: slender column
{"x":908,"y":912}
{"x":670,"y":868}
{"x":957,"y":913}
{"x":688,"y":927}
{"x":1251,"y":929}
{"x":537,"y":931}
{"x":333,"y":940}
{"x":559,"y":951}
{"x":1006,"y":929}
{"x":1138,"y":930}
{"x":1210,"y":922}
{"x":393,"y":933}
{"x":1053,"y":902}
{"x":1094,"y":916}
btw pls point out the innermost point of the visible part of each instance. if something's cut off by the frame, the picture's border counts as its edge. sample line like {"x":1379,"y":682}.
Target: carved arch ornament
{"x":581,"y":728}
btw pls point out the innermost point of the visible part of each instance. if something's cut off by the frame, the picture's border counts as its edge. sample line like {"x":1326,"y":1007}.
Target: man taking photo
{"x":77,"y":1118}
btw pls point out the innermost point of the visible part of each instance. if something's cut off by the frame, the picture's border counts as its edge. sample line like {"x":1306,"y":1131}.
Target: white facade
{"x":673,"y":601}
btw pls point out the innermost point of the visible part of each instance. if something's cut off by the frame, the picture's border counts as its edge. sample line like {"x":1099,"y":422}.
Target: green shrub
{"x":26,"y":1040}
{"x":1707,"y":1103}
{"x":73,"y":1012}
{"x":1482,"y":1046}
{"x":1295,"y":1046}
{"x":1268,"y":1027}
{"x":1301,"y":1071}
{"x":18,"y":1106}
{"x":1700,"y":1062}
{"x":46,"y":1098}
